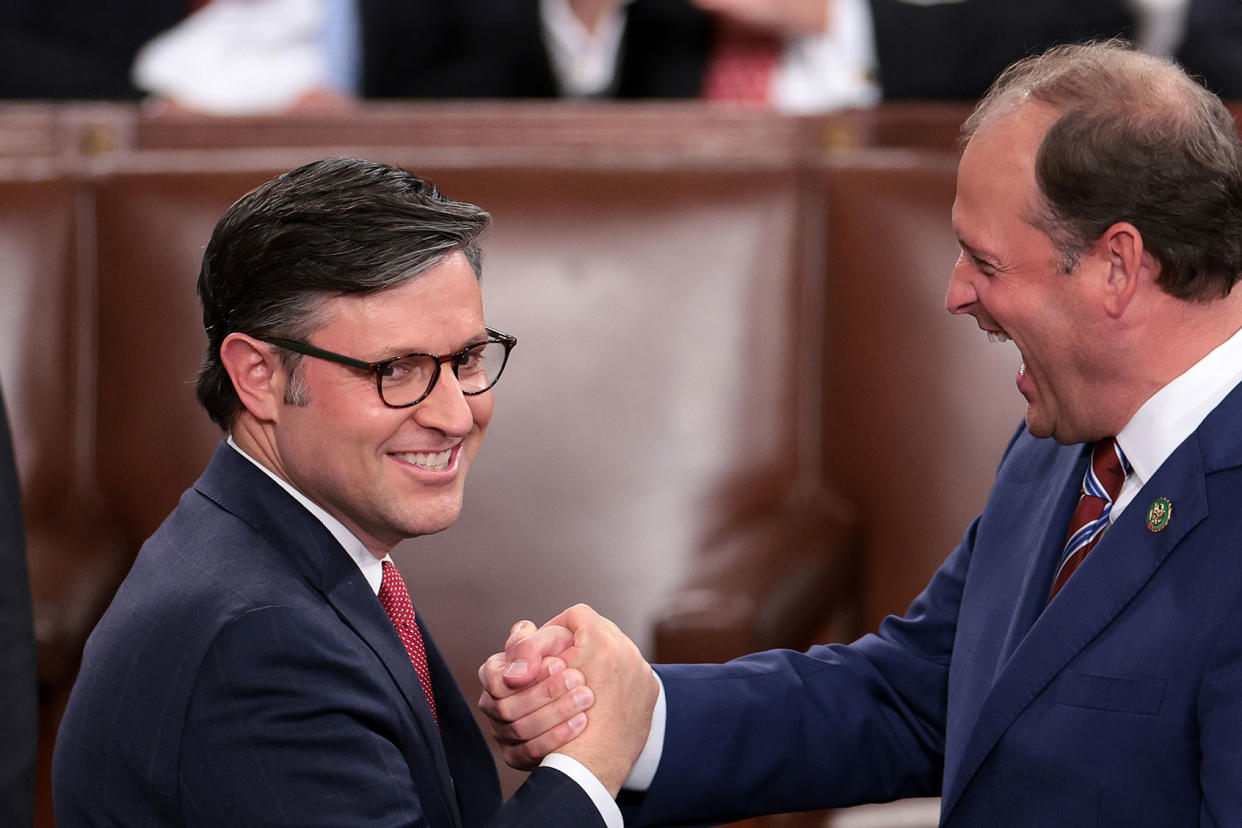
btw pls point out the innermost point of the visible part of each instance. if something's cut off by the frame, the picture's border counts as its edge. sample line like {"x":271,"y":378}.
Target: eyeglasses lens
{"x":407,"y":380}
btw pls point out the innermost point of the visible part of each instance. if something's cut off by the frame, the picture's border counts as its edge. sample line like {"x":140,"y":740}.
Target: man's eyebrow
{"x":470,"y":341}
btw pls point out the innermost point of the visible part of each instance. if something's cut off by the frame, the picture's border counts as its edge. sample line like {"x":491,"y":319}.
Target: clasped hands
{"x":537,"y":692}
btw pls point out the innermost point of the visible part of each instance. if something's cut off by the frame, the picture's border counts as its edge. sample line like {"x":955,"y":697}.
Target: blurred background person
{"x":251,"y":56}
{"x":244,"y":56}
{"x":798,"y":56}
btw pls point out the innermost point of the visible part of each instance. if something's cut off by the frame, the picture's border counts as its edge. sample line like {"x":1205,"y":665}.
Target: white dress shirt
{"x":1173,"y":413}
{"x":238,"y":57}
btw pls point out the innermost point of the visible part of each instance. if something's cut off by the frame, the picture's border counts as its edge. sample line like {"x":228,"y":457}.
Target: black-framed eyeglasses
{"x":406,"y":380}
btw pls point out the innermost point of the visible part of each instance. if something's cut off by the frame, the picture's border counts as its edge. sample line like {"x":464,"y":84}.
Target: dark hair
{"x":1137,"y":140}
{"x":331,"y":228}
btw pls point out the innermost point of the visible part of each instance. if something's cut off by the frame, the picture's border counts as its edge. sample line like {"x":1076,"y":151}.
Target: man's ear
{"x":1130,"y":266}
{"x":257,"y":374}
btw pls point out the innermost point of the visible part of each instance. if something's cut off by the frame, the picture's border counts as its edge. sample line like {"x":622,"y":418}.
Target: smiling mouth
{"x":432,"y":461}
{"x":1000,"y":337}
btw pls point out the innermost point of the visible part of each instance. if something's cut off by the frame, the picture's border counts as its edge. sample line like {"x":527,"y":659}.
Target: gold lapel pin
{"x":1159,"y":514}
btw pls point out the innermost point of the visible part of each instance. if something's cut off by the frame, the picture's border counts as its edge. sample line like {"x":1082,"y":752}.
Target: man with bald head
{"x":1077,"y":659}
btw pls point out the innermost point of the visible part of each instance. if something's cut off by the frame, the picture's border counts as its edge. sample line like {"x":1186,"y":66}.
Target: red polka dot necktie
{"x":742,"y":65}
{"x":1100,"y":486}
{"x":395,"y":599}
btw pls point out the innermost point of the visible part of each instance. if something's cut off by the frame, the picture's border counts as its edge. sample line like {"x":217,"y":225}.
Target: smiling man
{"x":1077,"y":659}
{"x":262,"y":663}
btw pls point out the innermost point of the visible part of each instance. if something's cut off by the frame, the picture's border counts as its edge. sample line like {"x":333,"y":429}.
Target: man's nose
{"x":445,"y":409}
{"x":961,"y":296}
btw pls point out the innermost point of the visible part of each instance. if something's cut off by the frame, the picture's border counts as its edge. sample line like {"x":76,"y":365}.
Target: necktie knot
{"x":1101,"y":484}
{"x":1108,"y":471}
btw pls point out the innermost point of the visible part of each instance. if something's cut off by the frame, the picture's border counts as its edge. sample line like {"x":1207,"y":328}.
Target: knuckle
{"x":552,"y":689}
{"x":506,"y":709}
{"x":491,"y":673}
{"x":537,"y":748}
{"x":523,"y":730}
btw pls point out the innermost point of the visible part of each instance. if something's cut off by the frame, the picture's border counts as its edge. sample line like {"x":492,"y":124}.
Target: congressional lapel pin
{"x":1159,"y":514}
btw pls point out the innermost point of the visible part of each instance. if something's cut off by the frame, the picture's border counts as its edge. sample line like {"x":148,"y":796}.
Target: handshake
{"x":537,"y":692}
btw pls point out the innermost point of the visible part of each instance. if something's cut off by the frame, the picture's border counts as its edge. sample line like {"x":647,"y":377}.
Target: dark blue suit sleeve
{"x":837,"y":725}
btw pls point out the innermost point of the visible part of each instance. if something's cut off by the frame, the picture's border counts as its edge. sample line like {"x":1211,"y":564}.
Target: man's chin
{"x":1035,"y":425}
{"x":434,"y":520}
{"x":1063,"y":435}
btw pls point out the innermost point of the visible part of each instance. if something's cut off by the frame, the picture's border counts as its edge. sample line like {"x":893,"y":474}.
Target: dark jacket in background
{"x":495,"y":49}
{"x":83,"y":49}
{"x":19,"y":707}
{"x":1212,"y":48}
{"x":954,"y":50}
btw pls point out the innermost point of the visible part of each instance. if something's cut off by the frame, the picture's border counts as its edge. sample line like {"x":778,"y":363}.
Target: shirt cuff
{"x":644,"y":769}
{"x":591,"y":786}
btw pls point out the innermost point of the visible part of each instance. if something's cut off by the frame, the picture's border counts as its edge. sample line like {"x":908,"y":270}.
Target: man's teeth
{"x":1022,"y":369}
{"x":435,"y":461}
{"x":997,"y":336}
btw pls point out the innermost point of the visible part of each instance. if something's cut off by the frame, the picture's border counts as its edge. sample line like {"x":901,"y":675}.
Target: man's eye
{"x":469,"y":361}
{"x":983,"y":267}
{"x":397,"y":371}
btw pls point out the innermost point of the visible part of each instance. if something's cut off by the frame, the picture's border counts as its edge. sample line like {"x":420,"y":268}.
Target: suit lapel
{"x":235,"y":484}
{"x":352,"y":598}
{"x":1012,"y":567}
{"x":1116,"y":570}
{"x":469,"y":759}
{"x":1049,"y":528}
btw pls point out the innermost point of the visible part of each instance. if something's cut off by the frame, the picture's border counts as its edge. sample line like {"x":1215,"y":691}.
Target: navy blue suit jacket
{"x":246,"y":674}
{"x":1120,"y":703}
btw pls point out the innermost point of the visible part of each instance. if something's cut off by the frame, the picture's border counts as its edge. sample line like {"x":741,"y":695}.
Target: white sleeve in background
{"x":237,"y":57}
{"x":340,"y":39}
{"x":1161,"y":24}
{"x":584,"y":63}
{"x":832,"y":70}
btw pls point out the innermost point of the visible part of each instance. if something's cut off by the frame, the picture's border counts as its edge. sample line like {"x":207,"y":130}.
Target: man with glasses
{"x":262,"y":663}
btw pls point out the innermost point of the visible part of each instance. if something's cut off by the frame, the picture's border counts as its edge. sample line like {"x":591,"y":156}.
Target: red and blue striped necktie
{"x":1100,"y":487}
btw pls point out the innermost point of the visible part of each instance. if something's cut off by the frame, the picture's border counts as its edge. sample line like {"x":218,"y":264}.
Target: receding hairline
{"x":1099,"y":77}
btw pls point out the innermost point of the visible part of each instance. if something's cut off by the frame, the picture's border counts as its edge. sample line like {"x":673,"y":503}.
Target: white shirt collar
{"x":1174,"y":412}
{"x":371,"y":566}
